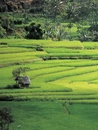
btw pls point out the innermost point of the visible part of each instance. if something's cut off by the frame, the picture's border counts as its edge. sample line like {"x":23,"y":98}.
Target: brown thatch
{"x":24,"y":80}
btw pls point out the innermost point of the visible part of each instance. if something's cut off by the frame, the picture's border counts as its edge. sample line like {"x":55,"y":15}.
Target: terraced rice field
{"x":64,"y":71}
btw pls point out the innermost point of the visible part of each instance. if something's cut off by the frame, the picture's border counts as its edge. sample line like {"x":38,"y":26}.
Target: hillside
{"x":11,"y":5}
{"x":76,"y":19}
{"x":15,"y":1}
{"x":64,"y":84}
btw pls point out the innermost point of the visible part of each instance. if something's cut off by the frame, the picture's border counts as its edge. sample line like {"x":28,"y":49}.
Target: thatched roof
{"x":25,"y":80}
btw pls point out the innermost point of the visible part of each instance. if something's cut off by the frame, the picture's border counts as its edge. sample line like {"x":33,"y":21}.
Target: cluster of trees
{"x":82,"y":13}
{"x":34,"y":31}
{"x":13,"y":5}
{"x":7,"y":26}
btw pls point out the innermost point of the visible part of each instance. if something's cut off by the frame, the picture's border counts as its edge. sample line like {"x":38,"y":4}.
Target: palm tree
{"x":54,"y":8}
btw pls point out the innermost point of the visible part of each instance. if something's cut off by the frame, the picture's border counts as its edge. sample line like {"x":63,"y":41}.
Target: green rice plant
{"x":7,"y":50}
{"x":44,"y":43}
{"x":70,"y":53}
{"x":53,"y":79}
{"x":49,"y":43}
{"x":44,"y":80}
{"x":37,"y":68}
{"x":90,"y":45}
{"x":68,"y":73}
{"x":82,"y":63}
{"x":41,"y":72}
{"x":78,"y":87}
{"x":60,"y":50}
{"x":22,"y":54}
{"x":17,"y":58}
{"x":87,"y":77}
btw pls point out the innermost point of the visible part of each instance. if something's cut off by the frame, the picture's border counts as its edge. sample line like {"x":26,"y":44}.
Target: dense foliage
{"x":34,"y":31}
{"x":78,"y":13}
{"x":5,"y":118}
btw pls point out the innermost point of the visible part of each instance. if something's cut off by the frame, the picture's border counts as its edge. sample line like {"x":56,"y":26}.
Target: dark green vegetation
{"x":5,"y":118}
{"x":59,"y":19}
{"x":38,"y":115}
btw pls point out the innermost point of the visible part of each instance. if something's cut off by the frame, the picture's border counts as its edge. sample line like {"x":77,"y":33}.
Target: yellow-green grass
{"x":49,"y":43}
{"x":45,"y":43}
{"x":90,"y":45}
{"x":46,"y":81}
{"x":60,"y":50}
{"x":22,"y":57}
{"x":70,"y":72}
{"x":72,"y":51}
{"x":37,"y":68}
{"x":7,"y":50}
{"x":90,"y":76}
{"x":64,"y":79}
{"x":48,"y":76}
{"x":78,"y":86}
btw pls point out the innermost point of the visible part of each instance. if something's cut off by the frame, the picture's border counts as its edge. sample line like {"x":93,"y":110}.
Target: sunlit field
{"x":65,"y":68}
{"x":65,"y":71}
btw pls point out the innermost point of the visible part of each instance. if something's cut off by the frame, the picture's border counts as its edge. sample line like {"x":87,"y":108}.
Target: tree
{"x":53,"y":8}
{"x":5,"y":118}
{"x":3,"y":8}
{"x":60,"y":32}
{"x":2,"y":32}
{"x":34,"y":31}
{"x":54,"y":31}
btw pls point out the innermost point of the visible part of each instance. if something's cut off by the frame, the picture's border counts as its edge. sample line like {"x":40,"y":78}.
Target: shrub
{"x":55,"y":32}
{"x":17,"y":21}
{"x":34,"y":31}
{"x":3,"y":8}
{"x":39,"y":48}
{"x":17,"y":35}
{"x":3,"y":43}
{"x":5,"y":118}
{"x":2,"y":32}
{"x":14,"y":86}
{"x":88,"y":34}
{"x":36,"y":10}
{"x":6,"y":98}
{"x":7,"y":25}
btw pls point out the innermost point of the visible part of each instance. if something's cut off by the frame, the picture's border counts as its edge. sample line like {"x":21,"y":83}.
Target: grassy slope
{"x":38,"y":115}
{"x":73,"y":81}
{"x":74,"y":76}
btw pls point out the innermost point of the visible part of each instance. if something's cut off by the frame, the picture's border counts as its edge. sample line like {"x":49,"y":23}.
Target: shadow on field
{"x":14,"y":86}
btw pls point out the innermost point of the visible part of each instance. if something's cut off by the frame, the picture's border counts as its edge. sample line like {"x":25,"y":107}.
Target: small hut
{"x":23,"y":81}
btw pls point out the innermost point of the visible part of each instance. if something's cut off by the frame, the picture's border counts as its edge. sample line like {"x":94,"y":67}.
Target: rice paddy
{"x":57,"y":78}
{"x":64,"y":84}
